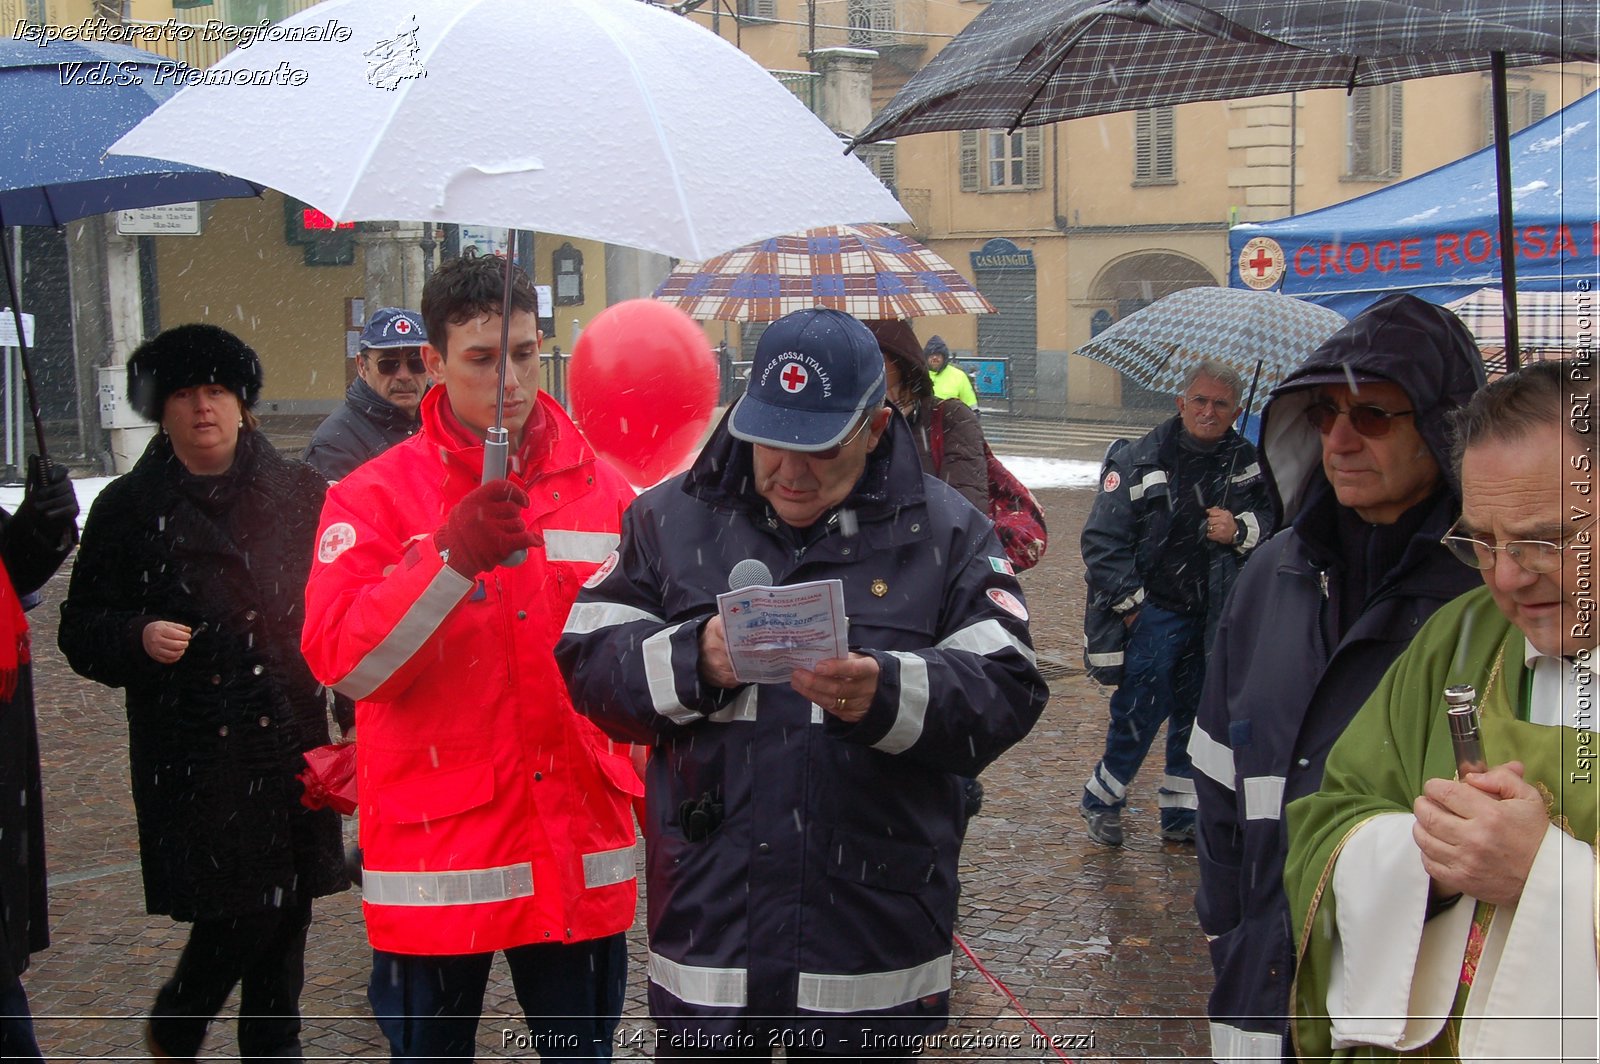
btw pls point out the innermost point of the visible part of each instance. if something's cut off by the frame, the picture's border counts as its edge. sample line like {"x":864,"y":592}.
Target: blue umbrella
{"x":65,"y":103}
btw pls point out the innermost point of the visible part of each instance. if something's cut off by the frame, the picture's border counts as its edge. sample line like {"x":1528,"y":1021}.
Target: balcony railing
{"x":879,"y":24}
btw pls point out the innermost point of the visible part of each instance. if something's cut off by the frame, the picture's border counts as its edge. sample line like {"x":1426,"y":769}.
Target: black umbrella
{"x":1031,"y":62}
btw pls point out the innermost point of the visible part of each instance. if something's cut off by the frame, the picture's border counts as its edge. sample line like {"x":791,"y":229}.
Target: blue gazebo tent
{"x":1435,"y":235}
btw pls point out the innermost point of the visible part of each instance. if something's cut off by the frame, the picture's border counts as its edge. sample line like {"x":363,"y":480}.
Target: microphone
{"x":748,"y":573}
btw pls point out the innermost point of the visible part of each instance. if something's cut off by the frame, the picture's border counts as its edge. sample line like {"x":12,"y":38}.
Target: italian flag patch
{"x":1000,"y":565}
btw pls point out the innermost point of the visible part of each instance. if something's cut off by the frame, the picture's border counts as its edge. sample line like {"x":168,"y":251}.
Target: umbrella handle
{"x":496,"y":451}
{"x":497,"y":443}
{"x":22,"y":348}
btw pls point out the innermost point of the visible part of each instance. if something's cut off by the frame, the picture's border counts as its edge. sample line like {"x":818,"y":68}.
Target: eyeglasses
{"x":1200,"y":402}
{"x":827,"y":454}
{"x":388,"y":367}
{"x":1534,"y":555}
{"x":1368,"y":420}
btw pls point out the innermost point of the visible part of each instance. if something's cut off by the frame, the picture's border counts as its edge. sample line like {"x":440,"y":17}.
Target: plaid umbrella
{"x":1029,"y":62}
{"x":869,"y":271}
{"x":1262,"y":335}
{"x":1554,"y":323}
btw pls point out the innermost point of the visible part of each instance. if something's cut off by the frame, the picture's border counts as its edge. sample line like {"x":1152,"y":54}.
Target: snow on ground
{"x":1036,"y":473}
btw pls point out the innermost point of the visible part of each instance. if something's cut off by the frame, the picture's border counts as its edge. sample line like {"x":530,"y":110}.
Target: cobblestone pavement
{"x":1099,"y":946}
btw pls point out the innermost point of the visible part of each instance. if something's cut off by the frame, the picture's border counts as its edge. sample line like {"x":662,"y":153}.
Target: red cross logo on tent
{"x":402,"y":326}
{"x":1261,"y":263}
{"x":793,"y":378}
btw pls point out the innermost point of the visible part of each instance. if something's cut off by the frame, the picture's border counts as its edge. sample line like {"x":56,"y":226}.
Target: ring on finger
{"x":838,"y":704}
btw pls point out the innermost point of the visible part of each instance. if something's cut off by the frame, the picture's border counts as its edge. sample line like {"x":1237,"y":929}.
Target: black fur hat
{"x":188,"y":355}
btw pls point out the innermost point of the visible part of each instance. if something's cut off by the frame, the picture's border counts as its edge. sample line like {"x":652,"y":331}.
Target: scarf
{"x":15,"y":650}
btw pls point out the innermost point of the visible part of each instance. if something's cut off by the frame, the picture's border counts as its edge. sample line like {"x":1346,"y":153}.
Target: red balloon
{"x":643,"y":383}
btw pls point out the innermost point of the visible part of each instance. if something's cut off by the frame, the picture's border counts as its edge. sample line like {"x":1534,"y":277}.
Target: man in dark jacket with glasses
{"x":380,"y":406}
{"x":1357,"y":452}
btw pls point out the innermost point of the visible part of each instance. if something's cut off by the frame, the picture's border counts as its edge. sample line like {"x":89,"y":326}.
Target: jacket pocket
{"x":903,"y":867}
{"x":436,"y":795}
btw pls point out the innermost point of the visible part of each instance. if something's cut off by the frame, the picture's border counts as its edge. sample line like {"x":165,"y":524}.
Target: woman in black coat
{"x":188,"y":592}
{"x":33,"y":543}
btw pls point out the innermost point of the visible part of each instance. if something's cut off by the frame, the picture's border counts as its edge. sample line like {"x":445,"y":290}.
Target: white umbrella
{"x":611,"y":120}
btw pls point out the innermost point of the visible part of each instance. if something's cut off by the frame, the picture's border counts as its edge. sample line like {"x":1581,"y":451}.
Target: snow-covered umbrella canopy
{"x":611,"y":120}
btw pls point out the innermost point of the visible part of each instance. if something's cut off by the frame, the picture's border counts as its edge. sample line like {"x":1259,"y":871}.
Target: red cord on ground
{"x":998,"y":985}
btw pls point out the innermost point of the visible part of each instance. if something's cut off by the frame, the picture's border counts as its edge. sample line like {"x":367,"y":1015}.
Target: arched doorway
{"x":1136,"y":281}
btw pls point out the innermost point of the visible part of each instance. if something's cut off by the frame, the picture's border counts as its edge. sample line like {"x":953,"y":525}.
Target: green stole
{"x":1400,"y":739}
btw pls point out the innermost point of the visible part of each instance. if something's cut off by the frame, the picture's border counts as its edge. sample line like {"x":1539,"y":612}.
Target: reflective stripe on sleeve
{"x":1101,"y":661}
{"x":1263,"y":797}
{"x":1211,"y":757}
{"x":743,"y":707}
{"x":1232,"y":1044}
{"x":475,"y":886}
{"x":1129,"y":603}
{"x":563,"y":545}
{"x":587,"y":617}
{"x":985,"y":637}
{"x":414,"y":627}
{"x":1252,"y":532}
{"x":913,"y":708}
{"x":1154,"y":479}
{"x":718,"y":988}
{"x":606,"y":868}
{"x":657,"y":651}
{"x":874,"y":990}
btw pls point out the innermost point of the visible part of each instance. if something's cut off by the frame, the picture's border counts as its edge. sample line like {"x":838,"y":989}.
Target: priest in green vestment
{"x":1455,"y":918}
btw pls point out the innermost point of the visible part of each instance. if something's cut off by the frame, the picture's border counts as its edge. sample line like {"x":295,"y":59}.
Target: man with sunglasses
{"x":380,"y":406}
{"x":1450,"y":912}
{"x":803,"y":838}
{"x":1356,"y":447}
{"x":1177,"y":513}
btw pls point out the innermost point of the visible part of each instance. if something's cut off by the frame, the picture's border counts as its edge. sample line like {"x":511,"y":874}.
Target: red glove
{"x":485,"y":527}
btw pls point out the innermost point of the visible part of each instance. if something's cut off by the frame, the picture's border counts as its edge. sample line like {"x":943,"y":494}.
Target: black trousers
{"x":262,"y":953}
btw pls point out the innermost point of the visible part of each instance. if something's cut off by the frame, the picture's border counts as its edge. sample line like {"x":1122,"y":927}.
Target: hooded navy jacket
{"x":802,"y":871}
{"x":1281,"y":685}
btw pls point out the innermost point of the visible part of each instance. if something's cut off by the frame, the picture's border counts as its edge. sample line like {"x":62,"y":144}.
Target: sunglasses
{"x":388,"y":367}
{"x":1366,"y":419}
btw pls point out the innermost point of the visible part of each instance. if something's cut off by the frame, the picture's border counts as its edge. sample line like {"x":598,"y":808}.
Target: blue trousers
{"x":1163,"y":670}
{"x":571,"y":997}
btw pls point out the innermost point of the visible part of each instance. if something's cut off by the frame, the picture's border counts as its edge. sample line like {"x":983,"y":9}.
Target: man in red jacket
{"x":493,"y":817}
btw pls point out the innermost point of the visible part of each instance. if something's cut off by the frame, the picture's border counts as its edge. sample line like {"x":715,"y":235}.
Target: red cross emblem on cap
{"x":402,"y":325}
{"x":793,"y":378}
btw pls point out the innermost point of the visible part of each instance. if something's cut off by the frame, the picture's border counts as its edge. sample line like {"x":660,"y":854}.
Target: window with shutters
{"x":1374,"y":133}
{"x":1155,"y":140}
{"x":997,"y":161}
{"x":758,"y":9}
{"x":879,"y":158}
{"x":1525,"y":105}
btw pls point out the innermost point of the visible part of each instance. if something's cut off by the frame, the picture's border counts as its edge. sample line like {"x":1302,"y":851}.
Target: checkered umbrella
{"x":1254,"y":332}
{"x":1032,"y":62}
{"x":1549,"y":323}
{"x":869,"y":271}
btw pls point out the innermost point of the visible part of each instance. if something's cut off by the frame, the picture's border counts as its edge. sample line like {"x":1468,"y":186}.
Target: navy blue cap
{"x":394,"y":327}
{"x":816,"y":372}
